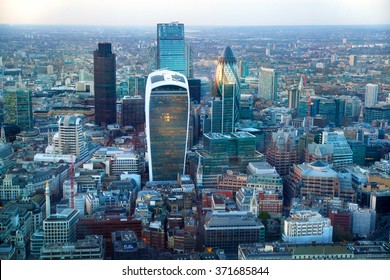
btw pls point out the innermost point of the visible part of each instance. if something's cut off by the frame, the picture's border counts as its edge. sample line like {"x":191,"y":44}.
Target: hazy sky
{"x":195,"y":12}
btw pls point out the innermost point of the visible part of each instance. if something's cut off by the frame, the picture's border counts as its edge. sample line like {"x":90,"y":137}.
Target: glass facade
{"x":18,"y":108}
{"x":167,"y":109}
{"x":105,"y":85}
{"x":226,"y":92}
{"x":171,"y":50}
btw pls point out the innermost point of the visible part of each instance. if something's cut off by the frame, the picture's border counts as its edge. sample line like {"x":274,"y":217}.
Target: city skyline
{"x":200,"y":13}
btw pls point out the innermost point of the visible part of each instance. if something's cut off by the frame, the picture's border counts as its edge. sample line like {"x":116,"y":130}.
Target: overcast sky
{"x":195,"y":12}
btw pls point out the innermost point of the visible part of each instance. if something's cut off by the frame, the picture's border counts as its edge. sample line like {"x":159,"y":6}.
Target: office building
{"x":171,"y":48}
{"x":226,"y":230}
{"x":90,"y":248}
{"x":363,"y":222}
{"x":167,"y":120}
{"x":223,"y":152}
{"x":359,"y":152}
{"x":281,"y":152}
{"x":137,"y":86}
{"x":105,"y":85}
{"x":127,"y":246}
{"x":18,"y":108}
{"x":352,"y":60}
{"x":371,"y":95}
{"x":268,"y":84}
{"x":61,"y":228}
{"x":69,"y":139}
{"x":317,"y":180}
{"x":226,"y":94}
{"x":293,"y":97}
{"x":379,"y":112}
{"x":133,"y":112}
{"x":342,"y":153}
{"x":307,"y":227}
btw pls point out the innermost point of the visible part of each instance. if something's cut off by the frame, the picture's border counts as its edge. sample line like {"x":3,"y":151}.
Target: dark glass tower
{"x":105,"y":85}
{"x":171,"y":49}
{"x":167,"y":115}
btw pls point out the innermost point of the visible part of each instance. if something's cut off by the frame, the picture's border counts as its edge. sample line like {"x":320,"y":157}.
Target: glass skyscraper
{"x":226,"y":92}
{"x":18,"y":108}
{"x":167,"y":114}
{"x":105,"y":85}
{"x":171,"y":48}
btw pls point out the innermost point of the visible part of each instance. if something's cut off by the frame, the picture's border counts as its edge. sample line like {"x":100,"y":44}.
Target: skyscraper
{"x":133,"y":112}
{"x":226,"y":92}
{"x":105,"y":85}
{"x":171,"y":48}
{"x":167,"y":114}
{"x":18,"y":108}
{"x":69,"y":138}
{"x":371,"y":96}
{"x":268,"y":84}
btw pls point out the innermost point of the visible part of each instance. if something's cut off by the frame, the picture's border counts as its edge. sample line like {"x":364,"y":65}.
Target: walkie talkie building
{"x":167,"y":114}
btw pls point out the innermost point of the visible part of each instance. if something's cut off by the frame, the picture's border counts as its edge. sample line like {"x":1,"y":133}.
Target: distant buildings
{"x":268,"y":84}
{"x":167,"y":121}
{"x":105,"y":85}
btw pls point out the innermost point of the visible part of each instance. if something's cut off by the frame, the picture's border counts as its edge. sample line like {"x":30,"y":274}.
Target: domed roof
{"x":227,"y":56}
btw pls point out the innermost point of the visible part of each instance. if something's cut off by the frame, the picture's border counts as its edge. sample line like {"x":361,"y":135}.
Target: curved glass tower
{"x":226,"y":92}
{"x":167,"y":110}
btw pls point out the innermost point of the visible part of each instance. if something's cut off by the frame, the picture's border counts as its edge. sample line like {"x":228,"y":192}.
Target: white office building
{"x":307,"y":227}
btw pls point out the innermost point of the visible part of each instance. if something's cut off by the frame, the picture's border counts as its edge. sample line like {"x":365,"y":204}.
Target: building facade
{"x":167,"y":120}
{"x":105,"y":85}
{"x":268,"y":84}
{"x":226,"y":94}
{"x":171,"y":48}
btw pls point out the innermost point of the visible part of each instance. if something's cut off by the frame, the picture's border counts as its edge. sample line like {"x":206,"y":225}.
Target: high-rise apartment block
{"x":105,"y":84}
{"x":268,"y":84}
{"x":371,"y":95}
{"x":167,"y":120}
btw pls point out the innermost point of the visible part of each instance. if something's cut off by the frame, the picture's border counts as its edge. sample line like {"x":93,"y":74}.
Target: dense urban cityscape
{"x":179,"y":142}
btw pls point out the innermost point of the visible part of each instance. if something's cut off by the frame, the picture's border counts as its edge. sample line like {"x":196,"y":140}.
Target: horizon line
{"x":194,"y":25}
